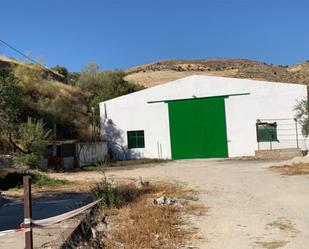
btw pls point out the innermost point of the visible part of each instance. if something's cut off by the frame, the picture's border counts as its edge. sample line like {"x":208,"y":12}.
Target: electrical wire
{"x":29,"y":58}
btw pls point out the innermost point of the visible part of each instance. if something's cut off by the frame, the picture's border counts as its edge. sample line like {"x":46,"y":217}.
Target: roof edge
{"x":208,"y":97}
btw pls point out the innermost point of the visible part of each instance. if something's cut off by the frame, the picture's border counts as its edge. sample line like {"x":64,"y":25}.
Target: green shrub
{"x":43,"y":180}
{"x":112,"y":195}
{"x":31,"y":159}
{"x":33,"y":140}
{"x":9,"y":102}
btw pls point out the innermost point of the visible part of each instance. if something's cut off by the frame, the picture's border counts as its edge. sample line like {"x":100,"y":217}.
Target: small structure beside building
{"x":203,"y":117}
{"x":70,"y":154}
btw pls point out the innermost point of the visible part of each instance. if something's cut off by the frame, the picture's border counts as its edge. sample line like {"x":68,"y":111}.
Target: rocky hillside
{"x":168,"y":70}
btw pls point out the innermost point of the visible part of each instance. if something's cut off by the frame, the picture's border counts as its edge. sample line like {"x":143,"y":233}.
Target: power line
{"x":29,"y":58}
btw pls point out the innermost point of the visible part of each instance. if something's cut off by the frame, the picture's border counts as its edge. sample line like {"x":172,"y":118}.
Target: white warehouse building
{"x":203,"y":117}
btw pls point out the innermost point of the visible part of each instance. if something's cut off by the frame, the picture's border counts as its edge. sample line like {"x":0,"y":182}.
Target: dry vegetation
{"x":140,"y":224}
{"x":272,"y":244}
{"x":284,"y":224}
{"x":296,"y":169}
{"x":168,"y":70}
{"x":280,"y":226}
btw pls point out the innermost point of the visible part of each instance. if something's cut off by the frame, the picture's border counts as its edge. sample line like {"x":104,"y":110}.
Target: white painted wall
{"x":132,"y":112}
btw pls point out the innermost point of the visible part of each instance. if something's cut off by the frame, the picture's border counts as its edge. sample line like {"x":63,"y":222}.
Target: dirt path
{"x":250,"y":206}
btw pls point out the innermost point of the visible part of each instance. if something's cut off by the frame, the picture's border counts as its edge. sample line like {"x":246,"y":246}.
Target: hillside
{"x":164,"y":71}
{"x":44,"y":96}
{"x":9,"y":63}
{"x":68,"y":101}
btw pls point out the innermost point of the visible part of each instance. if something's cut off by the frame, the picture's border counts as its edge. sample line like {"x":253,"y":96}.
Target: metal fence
{"x":288,"y":135}
{"x":91,"y":153}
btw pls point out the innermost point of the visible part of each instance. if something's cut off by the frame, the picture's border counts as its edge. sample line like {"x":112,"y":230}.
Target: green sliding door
{"x":198,"y":128}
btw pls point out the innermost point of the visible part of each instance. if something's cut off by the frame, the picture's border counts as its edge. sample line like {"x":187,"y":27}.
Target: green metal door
{"x":198,"y":128}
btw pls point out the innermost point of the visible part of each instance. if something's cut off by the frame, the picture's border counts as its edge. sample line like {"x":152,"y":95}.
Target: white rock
{"x":164,"y":201}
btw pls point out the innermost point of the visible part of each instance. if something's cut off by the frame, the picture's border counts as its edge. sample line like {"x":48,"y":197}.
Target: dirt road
{"x":250,"y":206}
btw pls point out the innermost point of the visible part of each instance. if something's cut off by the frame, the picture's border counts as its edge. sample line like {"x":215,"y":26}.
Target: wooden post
{"x":27,"y":213}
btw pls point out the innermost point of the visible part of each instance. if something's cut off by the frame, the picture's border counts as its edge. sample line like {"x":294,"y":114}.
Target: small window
{"x":267,"y":132}
{"x":136,"y":139}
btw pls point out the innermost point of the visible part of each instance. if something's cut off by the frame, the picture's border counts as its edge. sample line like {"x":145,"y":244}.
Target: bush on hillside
{"x":9,"y":103}
{"x":103,"y":86}
{"x":33,"y":141}
{"x":29,"y":91}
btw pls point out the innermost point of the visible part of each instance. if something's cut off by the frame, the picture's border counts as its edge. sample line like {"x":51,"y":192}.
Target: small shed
{"x":69,"y":154}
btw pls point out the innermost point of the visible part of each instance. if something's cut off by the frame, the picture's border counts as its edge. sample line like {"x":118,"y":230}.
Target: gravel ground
{"x":249,"y":205}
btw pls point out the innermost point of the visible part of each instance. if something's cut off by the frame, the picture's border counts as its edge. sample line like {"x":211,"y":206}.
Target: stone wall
{"x":278,"y":154}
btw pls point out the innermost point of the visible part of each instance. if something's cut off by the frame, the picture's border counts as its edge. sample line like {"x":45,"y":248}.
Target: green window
{"x":266,"y":132}
{"x":136,"y":139}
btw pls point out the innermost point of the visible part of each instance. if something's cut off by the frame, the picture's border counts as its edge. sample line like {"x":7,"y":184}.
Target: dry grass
{"x":297,"y":169}
{"x":150,"y":79}
{"x":146,"y":226}
{"x":168,"y":70}
{"x":142,"y":225}
{"x":272,"y":244}
{"x":284,"y":224}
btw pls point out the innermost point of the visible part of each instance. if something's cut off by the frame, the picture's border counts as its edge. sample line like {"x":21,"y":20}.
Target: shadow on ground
{"x":11,"y":210}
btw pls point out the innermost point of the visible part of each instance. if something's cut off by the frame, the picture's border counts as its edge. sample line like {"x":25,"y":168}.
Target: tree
{"x":112,"y":85}
{"x":89,"y":78}
{"x":302,"y":115}
{"x":9,"y":102}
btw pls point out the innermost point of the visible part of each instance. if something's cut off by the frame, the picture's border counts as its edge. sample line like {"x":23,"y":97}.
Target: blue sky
{"x":118,"y":34}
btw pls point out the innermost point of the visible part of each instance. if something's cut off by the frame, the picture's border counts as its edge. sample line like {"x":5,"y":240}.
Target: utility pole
{"x":27,"y":213}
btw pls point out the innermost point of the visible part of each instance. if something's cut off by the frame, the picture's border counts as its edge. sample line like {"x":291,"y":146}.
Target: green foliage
{"x":28,"y":75}
{"x":302,"y":116}
{"x":9,"y":102}
{"x":89,"y":78}
{"x":103,"y":86}
{"x":31,"y":159}
{"x":28,"y":90}
{"x":43,"y":180}
{"x":33,"y":140}
{"x":51,"y":101}
{"x":113,"y":85}
{"x":33,"y":136}
{"x":112,"y":195}
{"x":15,"y":179}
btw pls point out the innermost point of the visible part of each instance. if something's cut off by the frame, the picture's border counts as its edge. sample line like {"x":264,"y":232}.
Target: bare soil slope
{"x":164,"y":71}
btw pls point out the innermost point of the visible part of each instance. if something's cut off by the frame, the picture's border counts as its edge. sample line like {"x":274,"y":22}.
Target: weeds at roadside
{"x":116,"y":196}
{"x":130,"y":220}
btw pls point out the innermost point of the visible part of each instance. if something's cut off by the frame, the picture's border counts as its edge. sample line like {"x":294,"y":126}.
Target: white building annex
{"x":203,"y":117}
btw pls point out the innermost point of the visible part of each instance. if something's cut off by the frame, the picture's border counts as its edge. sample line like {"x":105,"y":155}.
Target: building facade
{"x":203,"y":117}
